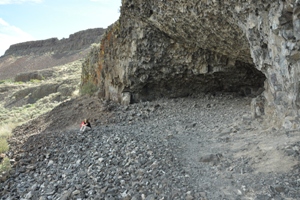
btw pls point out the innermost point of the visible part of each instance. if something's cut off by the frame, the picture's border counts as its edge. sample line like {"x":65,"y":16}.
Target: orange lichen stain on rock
{"x":102,"y":47}
{"x":98,"y":71}
{"x":109,"y":34}
{"x":107,"y":44}
{"x":101,"y":58}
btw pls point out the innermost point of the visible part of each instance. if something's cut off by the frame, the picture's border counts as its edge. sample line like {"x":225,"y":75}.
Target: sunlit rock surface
{"x":179,"y":48}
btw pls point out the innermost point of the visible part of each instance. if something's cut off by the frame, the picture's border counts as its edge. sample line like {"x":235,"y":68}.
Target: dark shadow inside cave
{"x":243,"y":79}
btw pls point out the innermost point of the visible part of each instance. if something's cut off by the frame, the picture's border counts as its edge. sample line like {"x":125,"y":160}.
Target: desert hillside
{"x":37,"y":76}
{"x":43,"y":54}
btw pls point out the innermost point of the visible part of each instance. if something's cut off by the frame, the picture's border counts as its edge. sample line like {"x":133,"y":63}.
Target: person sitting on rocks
{"x":85,"y":123}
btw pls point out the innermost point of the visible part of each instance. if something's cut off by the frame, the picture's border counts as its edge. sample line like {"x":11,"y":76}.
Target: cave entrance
{"x":242,"y":79}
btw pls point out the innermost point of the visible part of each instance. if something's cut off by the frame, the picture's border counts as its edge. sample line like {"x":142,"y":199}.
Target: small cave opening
{"x":243,"y":79}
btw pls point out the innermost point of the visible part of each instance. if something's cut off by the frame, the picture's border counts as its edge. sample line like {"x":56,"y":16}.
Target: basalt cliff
{"x":42,"y":54}
{"x":179,"y":48}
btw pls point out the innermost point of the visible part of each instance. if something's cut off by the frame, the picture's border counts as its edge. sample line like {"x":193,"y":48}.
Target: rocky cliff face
{"x":178,"y":48}
{"x":42,"y":54}
{"x":75,"y":42}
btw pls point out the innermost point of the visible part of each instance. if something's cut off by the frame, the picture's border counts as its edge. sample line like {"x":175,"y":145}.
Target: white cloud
{"x":11,"y":35}
{"x":99,"y":0}
{"x":3,"y":23}
{"x":2,"y":2}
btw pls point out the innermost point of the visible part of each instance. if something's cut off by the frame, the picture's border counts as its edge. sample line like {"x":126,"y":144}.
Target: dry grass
{"x":5,"y":132}
{"x":3,"y":145}
{"x":5,"y":165}
{"x":15,"y":116}
{"x":5,"y":129}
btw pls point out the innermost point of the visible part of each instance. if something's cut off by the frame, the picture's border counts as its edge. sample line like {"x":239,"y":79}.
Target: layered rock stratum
{"x":42,"y":54}
{"x":178,"y":48}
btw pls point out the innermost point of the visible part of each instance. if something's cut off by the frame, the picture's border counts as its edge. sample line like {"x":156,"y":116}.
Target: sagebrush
{"x":5,"y":165}
{"x":88,"y":88}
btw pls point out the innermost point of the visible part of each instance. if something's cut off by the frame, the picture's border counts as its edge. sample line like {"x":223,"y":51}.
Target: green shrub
{"x":19,"y":83}
{"x":6,"y":81}
{"x":35,"y":81}
{"x":5,"y":165}
{"x":88,"y":88}
{"x":6,"y":128}
{"x":3,"y":145}
{"x":4,"y":133}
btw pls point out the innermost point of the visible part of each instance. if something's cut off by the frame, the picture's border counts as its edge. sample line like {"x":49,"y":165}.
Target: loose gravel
{"x":204,"y":147}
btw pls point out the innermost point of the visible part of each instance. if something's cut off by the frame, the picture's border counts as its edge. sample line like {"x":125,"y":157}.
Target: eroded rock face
{"x":178,"y":48}
{"x":31,"y":56}
{"x":76,"y":41}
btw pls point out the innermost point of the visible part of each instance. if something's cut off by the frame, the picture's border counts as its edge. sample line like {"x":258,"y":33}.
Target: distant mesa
{"x":75,"y":42}
{"x":42,"y":54}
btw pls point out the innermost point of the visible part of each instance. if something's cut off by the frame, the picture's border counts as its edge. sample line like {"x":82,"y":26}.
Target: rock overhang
{"x":191,"y":25}
{"x":174,"y":48}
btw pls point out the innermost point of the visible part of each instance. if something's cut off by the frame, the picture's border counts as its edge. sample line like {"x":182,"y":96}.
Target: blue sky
{"x":28,"y":20}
